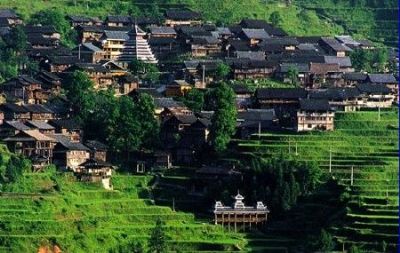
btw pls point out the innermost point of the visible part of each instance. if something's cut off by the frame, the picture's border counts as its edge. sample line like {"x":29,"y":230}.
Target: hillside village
{"x":280,"y":84}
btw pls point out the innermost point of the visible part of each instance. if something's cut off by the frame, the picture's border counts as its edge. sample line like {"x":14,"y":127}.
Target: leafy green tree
{"x":16,"y":39}
{"x":79,"y":91}
{"x":194,"y":100}
{"x":224,"y":118}
{"x":14,"y":169}
{"x":380,"y":60}
{"x":157,"y":242}
{"x":355,"y":249}
{"x":222,"y":71}
{"x":56,"y":18}
{"x":275,"y":18}
{"x":293,"y":75}
{"x":325,"y":242}
{"x":146,"y":71}
{"x":150,"y":128}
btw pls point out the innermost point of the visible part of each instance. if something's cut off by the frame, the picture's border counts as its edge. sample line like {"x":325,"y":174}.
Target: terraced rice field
{"x":363,"y":143}
{"x":84,"y":218}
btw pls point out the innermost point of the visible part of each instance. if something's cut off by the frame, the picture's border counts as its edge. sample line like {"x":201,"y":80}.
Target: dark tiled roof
{"x":370,"y":88}
{"x":96,"y":145}
{"x":256,"y":115}
{"x":204,"y":40}
{"x":356,"y":76}
{"x":13,"y":108}
{"x":41,"y":125}
{"x":300,"y":67}
{"x":36,"y":108}
{"x":92,"y":163}
{"x":101,"y":29}
{"x":334,"y":44}
{"x":342,"y":61}
{"x":158,"y":41}
{"x":281,"y":93}
{"x":261,"y":24}
{"x":165,"y":102}
{"x":255,"y":55}
{"x":335,"y":93}
{"x":23,"y":80}
{"x":8,"y":13}
{"x":17,"y":125}
{"x":381,"y":78}
{"x":193,"y":31}
{"x":251,"y":33}
{"x":285,"y":41}
{"x":315,"y":105}
{"x":63,"y":60}
{"x":245,"y":63}
{"x":323,"y":68}
{"x":185,"y":118}
{"x":116,"y":35}
{"x":90,"y":67}
{"x":118,"y":19}
{"x":69,"y":124}
{"x":177,"y":14}
{"x":239,"y":45}
{"x":162,"y":30}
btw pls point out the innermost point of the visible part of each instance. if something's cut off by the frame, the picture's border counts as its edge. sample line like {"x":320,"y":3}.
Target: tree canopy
{"x":224,"y":118}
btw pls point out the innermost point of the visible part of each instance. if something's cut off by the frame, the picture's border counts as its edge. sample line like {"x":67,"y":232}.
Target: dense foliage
{"x":224,"y":117}
{"x":123,"y":123}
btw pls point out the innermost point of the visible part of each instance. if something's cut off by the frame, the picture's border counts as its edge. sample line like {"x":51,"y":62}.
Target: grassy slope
{"x":376,"y":23}
{"x":50,"y":208}
{"x":295,"y":21}
{"x":370,"y":146}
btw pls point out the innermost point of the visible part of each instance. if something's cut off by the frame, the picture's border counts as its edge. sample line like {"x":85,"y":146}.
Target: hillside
{"x":376,"y":21}
{"x":363,"y":142}
{"x":53,"y":209}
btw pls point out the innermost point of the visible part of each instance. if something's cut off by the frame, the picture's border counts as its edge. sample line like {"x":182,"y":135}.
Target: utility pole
{"x":289,"y":146}
{"x":259,"y":130}
{"x":330,"y":160}
{"x":296,"y":149}
{"x":173,"y":204}
{"x":204,"y":75}
{"x":352,"y":176}
{"x":79,"y":51}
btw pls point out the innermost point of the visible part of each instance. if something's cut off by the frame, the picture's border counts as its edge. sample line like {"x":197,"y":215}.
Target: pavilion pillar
{"x":215,"y":218}
{"x":235,"y":217}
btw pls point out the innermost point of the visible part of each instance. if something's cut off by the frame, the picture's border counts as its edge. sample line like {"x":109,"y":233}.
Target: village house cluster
{"x":41,"y":128}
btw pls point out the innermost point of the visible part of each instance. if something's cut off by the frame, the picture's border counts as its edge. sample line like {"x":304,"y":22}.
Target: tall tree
{"x":224,"y":118}
{"x":275,"y":18}
{"x":222,"y":71}
{"x":293,"y":75}
{"x":79,"y":89}
{"x":194,"y":100}
{"x":157,"y":242}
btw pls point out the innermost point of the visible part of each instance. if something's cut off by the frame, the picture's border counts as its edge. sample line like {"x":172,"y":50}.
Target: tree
{"x":56,"y":18}
{"x":15,"y":166}
{"x":224,"y":118}
{"x":293,"y":75}
{"x":325,"y":242}
{"x":194,"y":100}
{"x":147,"y":71}
{"x":380,"y":60}
{"x":157,"y":241}
{"x":275,"y":18}
{"x":355,"y":249}
{"x":79,"y":88}
{"x":222,"y":71}
{"x":16,"y":39}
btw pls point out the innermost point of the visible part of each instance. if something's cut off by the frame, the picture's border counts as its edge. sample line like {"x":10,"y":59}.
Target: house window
{"x":309,"y":126}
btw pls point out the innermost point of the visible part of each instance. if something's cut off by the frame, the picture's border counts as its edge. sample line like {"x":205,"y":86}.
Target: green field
{"x":56,"y":209}
{"x":364,"y":142}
